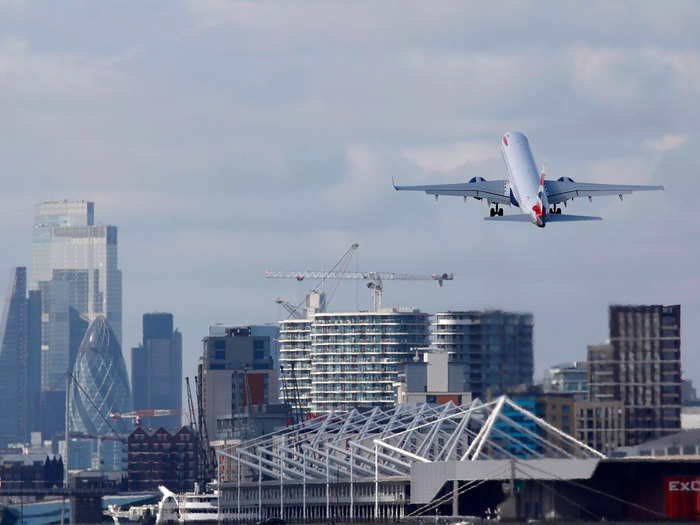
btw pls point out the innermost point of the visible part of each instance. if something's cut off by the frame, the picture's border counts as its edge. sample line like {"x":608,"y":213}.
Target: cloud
{"x":448,"y":157}
{"x":244,"y":135}
{"x":26,"y":73}
{"x":666,"y":143}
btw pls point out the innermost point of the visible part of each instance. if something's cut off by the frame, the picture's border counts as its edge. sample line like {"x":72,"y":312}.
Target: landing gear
{"x":555,"y":211}
{"x":497,"y":210}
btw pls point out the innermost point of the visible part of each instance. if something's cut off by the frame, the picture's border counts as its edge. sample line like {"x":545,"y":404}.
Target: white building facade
{"x":348,"y":360}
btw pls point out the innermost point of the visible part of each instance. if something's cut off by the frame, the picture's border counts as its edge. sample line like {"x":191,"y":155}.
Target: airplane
{"x":536,"y":197}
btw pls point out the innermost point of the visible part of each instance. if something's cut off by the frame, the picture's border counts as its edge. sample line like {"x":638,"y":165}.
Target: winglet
{"x":393,"y":183}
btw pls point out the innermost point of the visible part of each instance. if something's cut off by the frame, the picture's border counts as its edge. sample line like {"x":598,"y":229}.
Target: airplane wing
{"x":478,"y":188}
{"x":564,"y":189}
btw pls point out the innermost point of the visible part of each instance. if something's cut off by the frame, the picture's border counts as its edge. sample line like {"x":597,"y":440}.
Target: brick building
{"x":161,"y":458}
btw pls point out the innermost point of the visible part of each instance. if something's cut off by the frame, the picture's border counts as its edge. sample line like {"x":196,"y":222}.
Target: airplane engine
{"x":477,"y":179}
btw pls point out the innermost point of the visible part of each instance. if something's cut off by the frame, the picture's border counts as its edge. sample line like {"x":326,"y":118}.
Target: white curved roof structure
{"x":380,"y":444}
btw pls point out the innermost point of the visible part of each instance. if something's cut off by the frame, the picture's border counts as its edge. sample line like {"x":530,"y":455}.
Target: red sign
{"x":683,"y":497}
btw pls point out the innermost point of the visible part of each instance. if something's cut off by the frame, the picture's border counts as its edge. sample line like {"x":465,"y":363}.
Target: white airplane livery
{"x":537,"y":198}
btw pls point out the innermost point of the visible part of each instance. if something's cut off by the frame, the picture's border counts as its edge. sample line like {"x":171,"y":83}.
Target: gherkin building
{"x":100,"y":385}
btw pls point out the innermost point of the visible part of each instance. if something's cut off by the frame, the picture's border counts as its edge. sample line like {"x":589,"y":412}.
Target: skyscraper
{"x":13,"y":361}
{"x":74,"y":265}
{"x":34,"y":360}
{"x":50,"y":215}
{"x":495,"y":346}
{"x":640,"y":368}
{"x":20,"y":347}
{"x":156,"y":369}
{"x":100,"y":386}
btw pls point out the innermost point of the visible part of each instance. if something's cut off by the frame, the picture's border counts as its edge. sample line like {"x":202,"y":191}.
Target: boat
{"x":190,"y":507}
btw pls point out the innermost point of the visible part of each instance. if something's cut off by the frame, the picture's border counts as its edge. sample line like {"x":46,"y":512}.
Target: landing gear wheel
{"x":492,"y":212}
{"x":500,"y":212}
{"x":558,"y":211}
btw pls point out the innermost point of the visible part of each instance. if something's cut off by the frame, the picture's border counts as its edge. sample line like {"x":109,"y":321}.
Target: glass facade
{"x":47,"y":216}
{"x":74,"y":265}
{"x":495,"y":346}
{"x":570,"y":378}
{"x":13,"y":361}
{"x":87,"y":257}
{"x":156,"y":370}
{"x":100,"y":385}
{"x":62,"y":331}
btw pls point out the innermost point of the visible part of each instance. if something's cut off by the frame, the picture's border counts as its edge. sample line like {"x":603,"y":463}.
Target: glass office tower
{"x":156,"y":370}
{"x":67,"y":245}
{"x":99,"y":388}
{"x":13,"y":361}
{"x":74,"y":265}
{"x":495,"y":346}
{"x":47,"y":216}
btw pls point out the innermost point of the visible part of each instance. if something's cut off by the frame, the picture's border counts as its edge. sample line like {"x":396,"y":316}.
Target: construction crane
{"x":290,"y":383}
{"x":300,"y":311}
{"x":206,"y":467}
{"x":190,"y":406}
{"x":136,"y":415}
{"x":294,"y":311}
{"x":375,"y":280}
{"x":84,"y":435}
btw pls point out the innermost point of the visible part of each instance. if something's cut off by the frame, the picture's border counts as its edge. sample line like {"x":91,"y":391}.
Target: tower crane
{"x":190,"y":405}
{"x":294,"y":311}
{"x":136,"y":415}
{"x":299,"y":311}
{"x":375,"y":280}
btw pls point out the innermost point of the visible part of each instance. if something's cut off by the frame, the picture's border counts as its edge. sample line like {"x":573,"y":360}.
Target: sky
{"x":225,"y":138}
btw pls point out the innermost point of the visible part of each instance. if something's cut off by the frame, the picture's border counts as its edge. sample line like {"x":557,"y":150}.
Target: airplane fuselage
{"x":526,"y":184}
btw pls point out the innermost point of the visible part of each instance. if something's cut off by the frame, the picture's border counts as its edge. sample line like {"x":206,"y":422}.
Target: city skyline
{"x":539,"y":373}
{"x":214,"y":174}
